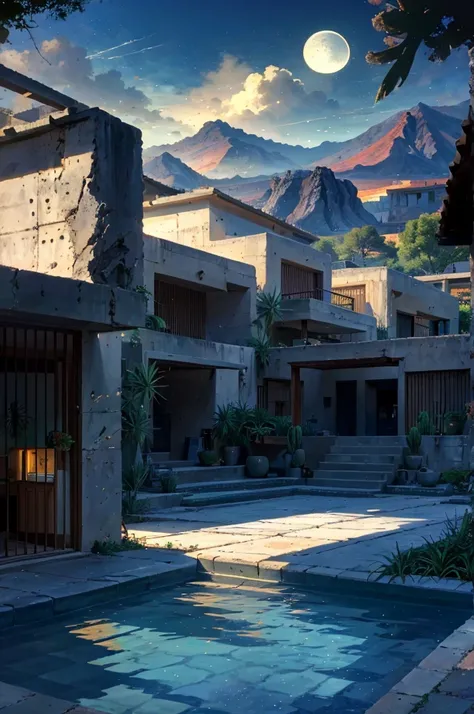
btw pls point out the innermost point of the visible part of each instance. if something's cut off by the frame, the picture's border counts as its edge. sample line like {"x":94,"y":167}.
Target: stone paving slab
{"x":44,"y":588}
{"x":302,"y":540}
{"x":17,"y":700}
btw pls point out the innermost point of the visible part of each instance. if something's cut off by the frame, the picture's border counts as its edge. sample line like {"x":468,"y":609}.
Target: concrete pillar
{"x":296,"y":406}
{"x":401,"y":399}
{"x":100,"y":415}
{"x":361,"y":407}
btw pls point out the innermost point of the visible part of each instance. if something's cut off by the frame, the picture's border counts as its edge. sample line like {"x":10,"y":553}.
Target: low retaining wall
{"x":446,"y":452}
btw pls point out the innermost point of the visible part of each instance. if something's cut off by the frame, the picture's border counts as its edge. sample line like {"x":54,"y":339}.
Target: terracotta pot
{"x":231,"y":455}
{"x":258,"y":466}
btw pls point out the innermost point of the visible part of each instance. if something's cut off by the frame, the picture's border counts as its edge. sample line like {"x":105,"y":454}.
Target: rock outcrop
{"x":316,"y":201}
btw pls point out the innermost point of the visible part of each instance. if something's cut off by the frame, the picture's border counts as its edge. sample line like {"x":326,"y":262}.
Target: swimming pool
{"x":224,"y":648}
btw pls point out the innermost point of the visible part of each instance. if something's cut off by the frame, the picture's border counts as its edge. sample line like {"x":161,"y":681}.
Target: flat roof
{"x":415,"y":189}
{"x":348,"y":363}
{"x":214,"y":194}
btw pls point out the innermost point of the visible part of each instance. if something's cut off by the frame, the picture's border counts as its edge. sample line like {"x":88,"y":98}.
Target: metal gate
{"x":39,"y":398}
{"x":436,"y":393}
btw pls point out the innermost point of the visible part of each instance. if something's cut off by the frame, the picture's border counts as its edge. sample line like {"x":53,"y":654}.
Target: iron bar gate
{"x":39,"y":382}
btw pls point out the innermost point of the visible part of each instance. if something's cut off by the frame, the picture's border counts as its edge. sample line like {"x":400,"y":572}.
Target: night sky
{"x":170,"y":66}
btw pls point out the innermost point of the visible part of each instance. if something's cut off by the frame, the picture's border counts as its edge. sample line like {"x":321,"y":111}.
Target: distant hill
{"x":173,"y":172}
{"x":316,"y":201}
{"x":417,"y":143}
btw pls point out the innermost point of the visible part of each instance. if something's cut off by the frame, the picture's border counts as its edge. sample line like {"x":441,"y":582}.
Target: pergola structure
{"x":328,"y":364}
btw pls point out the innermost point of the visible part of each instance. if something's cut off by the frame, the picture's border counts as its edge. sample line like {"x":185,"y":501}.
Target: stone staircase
{"x":201,"y":486}
{"x":366,"y":464}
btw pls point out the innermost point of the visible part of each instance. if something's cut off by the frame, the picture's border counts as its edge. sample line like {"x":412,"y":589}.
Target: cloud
{"x":251,"y":100}
{"x":67,"y":67}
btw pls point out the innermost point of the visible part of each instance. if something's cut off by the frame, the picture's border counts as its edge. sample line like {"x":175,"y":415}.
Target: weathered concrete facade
{"x":213,"y":296}
{"x":71,"y":254}
{"x":71,"y":198}
{"x":388,"y":293}
{"x":281,"y":255}
{"x":359,"y":363}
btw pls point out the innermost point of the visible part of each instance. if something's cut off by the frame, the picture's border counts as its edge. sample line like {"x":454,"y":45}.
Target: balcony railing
{"x":323,"y":295}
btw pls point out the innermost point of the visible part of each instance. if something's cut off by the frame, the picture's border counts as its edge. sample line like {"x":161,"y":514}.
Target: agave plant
{"x":262,"y":346}
{"x":226,"y":426}
{"x":268,"y":310}
{"x":154,"y":322}
{"x":142,"y":386}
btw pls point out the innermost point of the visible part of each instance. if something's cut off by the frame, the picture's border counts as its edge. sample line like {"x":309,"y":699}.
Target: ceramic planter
{"x":288,"y":459}
{"x":294,"y":472}
{"x":257,"y":466}
{"x":231,"y":455}
{"x":426,"y":477}
{"x":413,"y":462}
{"x":208,"y":458}
{"x":299,"y":457}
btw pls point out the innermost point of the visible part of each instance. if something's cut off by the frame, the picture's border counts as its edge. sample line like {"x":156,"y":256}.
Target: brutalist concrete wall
{"x":71,"y":199}
{"x":101,"y":483}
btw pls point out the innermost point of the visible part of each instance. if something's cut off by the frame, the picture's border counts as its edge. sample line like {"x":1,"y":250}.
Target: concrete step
{"x":390,"y":450}
{"x":354,"y":475}
{"x":360,"y":492}
{"x":214,"y":498}
{"x":356,"y":467}
{"x":201,"y":474}
{"x":246,"y":484}
{"x":174,"y":464}
{"x":398,"y":441}
{"x":374,"y":485}
{"x":361,"y":459}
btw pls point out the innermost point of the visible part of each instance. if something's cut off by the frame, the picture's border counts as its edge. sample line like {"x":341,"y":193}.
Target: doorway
{"x":346,"y":408}
{"x":386,"y":409}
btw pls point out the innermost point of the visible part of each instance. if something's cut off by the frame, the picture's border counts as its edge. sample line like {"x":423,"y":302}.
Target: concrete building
{"x":403,"y":306}
{"x":71,"y":254}
{"x":410,"y":202}
{"x":208,"y":304}
{"x":281,"y":255}
{"x":456,"y":280}
{"x":371,"y":388}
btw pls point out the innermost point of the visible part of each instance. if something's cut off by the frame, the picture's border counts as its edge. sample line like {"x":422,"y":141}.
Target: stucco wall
{"x":71,"y":199}
{"x":188,"y":225}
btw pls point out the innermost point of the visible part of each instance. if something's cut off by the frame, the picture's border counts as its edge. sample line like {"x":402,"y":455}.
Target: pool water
{"x":227,"y":648}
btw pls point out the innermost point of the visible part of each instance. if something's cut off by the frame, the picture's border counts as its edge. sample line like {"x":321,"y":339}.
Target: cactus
{"x":425,"y":425}
{"x":294,"y":439}
{"x":414,"y":441}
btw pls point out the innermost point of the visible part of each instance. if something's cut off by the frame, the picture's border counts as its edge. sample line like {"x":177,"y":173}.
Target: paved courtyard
{"x":331,"y":534}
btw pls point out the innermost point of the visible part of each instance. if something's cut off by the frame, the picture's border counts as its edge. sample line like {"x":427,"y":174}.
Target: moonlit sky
{"x":170,"y":66}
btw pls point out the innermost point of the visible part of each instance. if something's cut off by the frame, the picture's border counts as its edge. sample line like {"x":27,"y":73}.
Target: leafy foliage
{"x":282,"y":425}
{"x":294,"y":439}
{"x":154,"y":322}
{"x":262,"y":345}
{"x":19,"y":14}
{"x":226,"y":425}
{"x":418,"y":248}
{"x":441,"y":25}
{"x":268,"y":310}
{"x":465,"y":317}
{"x":364,"y":242}
{"x":452,"y":556}
{"x":459,"y":478}
{"x":331,"y":246}
{"x":168,"y":483}
{"x":111,"y":547}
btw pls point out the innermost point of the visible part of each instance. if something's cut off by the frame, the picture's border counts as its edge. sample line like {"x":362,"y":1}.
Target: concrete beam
{"x":30,"y":88}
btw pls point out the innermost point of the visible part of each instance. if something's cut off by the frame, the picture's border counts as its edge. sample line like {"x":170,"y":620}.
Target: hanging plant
{"x":59,"y":440}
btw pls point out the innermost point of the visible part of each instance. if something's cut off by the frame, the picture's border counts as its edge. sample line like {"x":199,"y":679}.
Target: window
{"x":418,"y":197}
{"x":297,"y":280}
{"x":431,"y":197}
{"x":405,"y":325}
{"x":182,"y":308}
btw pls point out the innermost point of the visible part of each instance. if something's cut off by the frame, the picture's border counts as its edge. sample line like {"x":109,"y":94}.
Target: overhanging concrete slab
{"x":176,"y":360}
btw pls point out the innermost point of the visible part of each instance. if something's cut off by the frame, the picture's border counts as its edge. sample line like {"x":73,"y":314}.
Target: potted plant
{"x":207,"y":457}
{"x":59,"y":440}
{"x":295,"y":456}
{"x":414,"y":458}
{"x":427,"y":477}
{"x":227,"y":432}
{"x":260,"y":425}
{"x":454,"y":423}
{"x":425,"y":424}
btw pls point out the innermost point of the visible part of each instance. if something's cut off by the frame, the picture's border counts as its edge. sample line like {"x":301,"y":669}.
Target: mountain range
{"x":418,"y":143}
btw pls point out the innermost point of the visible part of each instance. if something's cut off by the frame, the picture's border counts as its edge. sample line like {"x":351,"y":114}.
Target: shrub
{"x":452,"y":556}
{"x":414,"y":441}
{"x":457,"y":477}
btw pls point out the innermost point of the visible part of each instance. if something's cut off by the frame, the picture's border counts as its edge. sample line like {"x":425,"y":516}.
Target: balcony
{"x":317,"y":313}
{"x":324,"y":296}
